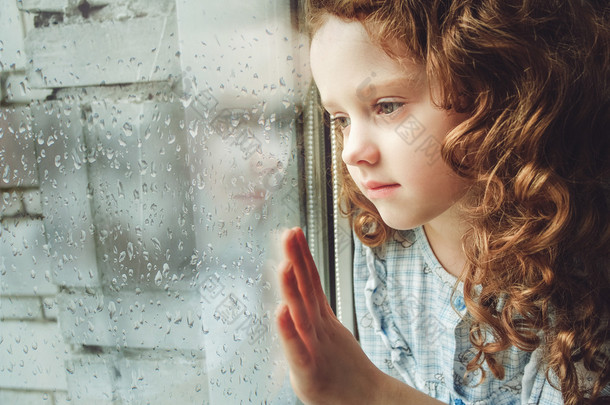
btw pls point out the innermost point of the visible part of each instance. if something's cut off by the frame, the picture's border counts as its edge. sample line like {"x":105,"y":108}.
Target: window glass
{"x":150,"y":156}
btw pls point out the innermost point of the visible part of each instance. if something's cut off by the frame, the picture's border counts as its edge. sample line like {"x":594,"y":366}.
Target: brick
{"x":57,"y":6}
{"x":140,"y":182}
{"x":68,"y":223}
{"x":146,"y":378}
{"x":17,"y":90}
{"x":248,"y":51}
{"x":173,"y":379}
{"x":24,"y":268}
{"x":10,"y":203}
{"x":90,"y":379}
{"x":32,"y":202}
{"x":101,"y":10}
{"x":33,"y":356}
{"x":18,"y":166}
{"x":20,"y":308}
{"x":132,"y":320}
{"x":14,"y":397}
{"x":12,"y":55}
{"x":135,"y":50}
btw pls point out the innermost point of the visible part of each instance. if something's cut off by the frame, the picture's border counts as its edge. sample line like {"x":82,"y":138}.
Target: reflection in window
{"x":147,"y":184}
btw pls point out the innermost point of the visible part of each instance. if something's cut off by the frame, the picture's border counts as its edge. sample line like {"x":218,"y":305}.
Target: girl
{"x":474,"y":141}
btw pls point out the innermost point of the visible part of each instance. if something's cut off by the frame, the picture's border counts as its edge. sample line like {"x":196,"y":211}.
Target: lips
{"x":255,"y":195}
{"x":374,"y":189}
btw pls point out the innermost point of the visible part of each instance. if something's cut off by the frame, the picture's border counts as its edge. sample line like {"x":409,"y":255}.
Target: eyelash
{"x":340,"y":122}
{"x":344,"y":122}
{"x":396,"y":104}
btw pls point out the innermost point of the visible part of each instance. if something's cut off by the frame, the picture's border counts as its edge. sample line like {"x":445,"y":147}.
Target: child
{"x":474,"y":138}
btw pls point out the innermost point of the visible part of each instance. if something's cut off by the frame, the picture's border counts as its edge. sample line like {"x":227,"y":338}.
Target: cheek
{"x":353,"y":173}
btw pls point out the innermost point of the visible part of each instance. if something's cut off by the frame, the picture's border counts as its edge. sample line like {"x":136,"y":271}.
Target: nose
{"x":359,"y":146}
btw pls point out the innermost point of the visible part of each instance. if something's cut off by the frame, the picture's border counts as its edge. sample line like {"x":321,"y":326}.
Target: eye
{"x":388,"y":107}
{"x":341,"y":122}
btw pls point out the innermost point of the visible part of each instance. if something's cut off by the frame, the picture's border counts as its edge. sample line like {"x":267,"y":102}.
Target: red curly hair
{"x":533,"y":77}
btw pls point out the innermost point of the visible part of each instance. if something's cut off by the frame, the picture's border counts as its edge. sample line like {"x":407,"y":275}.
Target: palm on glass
{"x":327,"y":365}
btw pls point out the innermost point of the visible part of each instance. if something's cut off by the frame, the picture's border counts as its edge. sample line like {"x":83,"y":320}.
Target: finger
{"x":295,"y":300}
{"x":297,"y":252}
{"x":314,"y":275}
{"x":295,"y":349}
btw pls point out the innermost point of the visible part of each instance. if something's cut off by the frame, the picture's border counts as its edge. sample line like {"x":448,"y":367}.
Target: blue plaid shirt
{"x":411,"y":325}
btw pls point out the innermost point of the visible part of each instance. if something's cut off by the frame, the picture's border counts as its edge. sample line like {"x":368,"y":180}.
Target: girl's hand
{"x":327,"y":365}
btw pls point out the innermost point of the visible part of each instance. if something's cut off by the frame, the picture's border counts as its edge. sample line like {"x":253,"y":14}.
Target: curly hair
{"x":533,"y":78}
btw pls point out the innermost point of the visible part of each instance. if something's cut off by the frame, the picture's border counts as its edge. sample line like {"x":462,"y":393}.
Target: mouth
{"x":375,"y":190}
{"x":254,"y":195}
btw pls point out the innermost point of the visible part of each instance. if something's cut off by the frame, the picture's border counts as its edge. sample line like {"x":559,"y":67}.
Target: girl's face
{"x":391,"y":130}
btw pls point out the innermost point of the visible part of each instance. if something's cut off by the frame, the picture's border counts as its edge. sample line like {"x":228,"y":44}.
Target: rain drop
{"x":127,"y":129}
{"x":6,"y":175}
{"x":111,"y":309}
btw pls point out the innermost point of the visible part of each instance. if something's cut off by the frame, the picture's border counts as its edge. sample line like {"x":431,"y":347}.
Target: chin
{"x":400,"y":224}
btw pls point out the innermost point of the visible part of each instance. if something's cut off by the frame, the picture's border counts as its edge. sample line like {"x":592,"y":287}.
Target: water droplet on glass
{"x":111,"y":309}
{"x":6,"y":175}
{"x":193,"y":128}
{"x":76,"y":159}
{"x":127,"y":129}
{"x":158,"y":278}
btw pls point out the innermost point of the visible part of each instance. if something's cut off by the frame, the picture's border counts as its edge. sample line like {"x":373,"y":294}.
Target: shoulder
{"x":542,"y":388}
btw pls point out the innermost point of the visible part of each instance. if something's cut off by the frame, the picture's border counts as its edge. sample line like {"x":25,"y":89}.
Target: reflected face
{"x":248,"y":154}
{"x":391,"y":130}
{"x":247,"y":85}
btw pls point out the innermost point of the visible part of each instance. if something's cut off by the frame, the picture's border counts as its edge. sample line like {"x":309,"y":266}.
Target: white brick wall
{"x":12,"y":56}
{"x":18,"y":162}
{"x":24,"y":268}
{"x":135,"y":50}
{"x":101,"y":213}
{"x":27,"y":341}
{"x":62,"y":348}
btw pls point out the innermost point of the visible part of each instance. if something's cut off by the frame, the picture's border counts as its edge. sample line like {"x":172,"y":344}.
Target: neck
{"x":444,"y":234}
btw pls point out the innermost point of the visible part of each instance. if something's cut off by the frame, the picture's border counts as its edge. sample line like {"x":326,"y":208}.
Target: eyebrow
{"x":410,"y":80}
{"x":405,"y":81}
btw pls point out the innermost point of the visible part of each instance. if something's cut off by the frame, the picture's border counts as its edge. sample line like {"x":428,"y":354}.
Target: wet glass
{"x":150,"y":160}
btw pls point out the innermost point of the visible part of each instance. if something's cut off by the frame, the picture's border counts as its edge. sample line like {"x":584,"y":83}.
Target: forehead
{"x":343,"y":53}
{"x":336,"y":35}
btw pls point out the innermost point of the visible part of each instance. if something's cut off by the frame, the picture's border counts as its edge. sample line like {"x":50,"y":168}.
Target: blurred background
{"x":151,"y":153}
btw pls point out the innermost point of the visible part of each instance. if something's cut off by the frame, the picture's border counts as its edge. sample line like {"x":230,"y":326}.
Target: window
{"x":150,"y":155}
